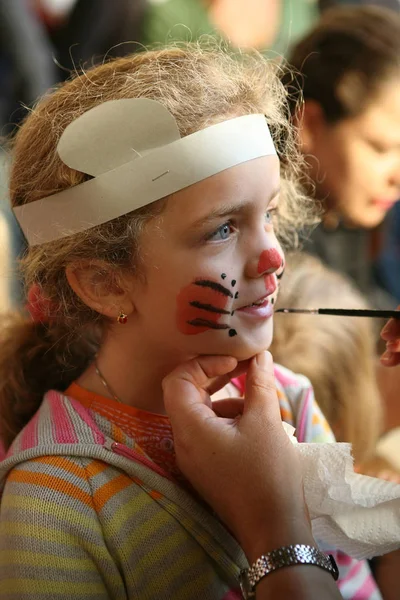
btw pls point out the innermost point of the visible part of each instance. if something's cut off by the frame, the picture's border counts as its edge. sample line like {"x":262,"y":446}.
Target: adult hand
{"x":240,"y":460}
{"x":391,"y":334}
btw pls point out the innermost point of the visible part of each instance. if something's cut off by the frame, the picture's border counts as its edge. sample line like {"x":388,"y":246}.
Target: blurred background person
{"x":349,"y":128}
{"x":267,"y":25}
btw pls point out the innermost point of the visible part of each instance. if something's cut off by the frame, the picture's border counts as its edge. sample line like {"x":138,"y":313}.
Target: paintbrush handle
{"x":382,"y":314}
{"x":343,"y":312}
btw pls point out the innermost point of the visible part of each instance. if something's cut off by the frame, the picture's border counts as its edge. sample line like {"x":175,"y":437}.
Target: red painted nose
{"x":270,"y":260}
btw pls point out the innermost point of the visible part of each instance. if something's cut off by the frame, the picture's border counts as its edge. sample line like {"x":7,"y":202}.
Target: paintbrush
{"x":342,"y":312}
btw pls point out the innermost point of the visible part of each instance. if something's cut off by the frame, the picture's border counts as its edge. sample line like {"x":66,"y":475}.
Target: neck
{"x":134,"y":376}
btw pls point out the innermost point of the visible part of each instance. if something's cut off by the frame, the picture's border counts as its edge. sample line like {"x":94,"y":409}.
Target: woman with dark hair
{"x":349,"y":123}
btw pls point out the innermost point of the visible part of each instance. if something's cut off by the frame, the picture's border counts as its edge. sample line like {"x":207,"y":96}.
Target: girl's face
{"x":358,"y":160}
{"x":212,"y":266}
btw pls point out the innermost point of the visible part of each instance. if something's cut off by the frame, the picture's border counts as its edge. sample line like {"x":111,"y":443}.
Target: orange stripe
{"x":286,"y":415}
{"x":62,"y":463}
{"x":54,"y":483}
{"x":96,"y":467}
{"x":110,"y":489}
{"x":117,"y":434}
{"x":155,"y":495}
{"x":315,"y":419}
{"x":326,"y":426}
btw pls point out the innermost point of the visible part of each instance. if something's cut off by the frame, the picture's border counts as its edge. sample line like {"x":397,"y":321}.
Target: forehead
{"x":252,"y":181}
{"x":384,"y":111}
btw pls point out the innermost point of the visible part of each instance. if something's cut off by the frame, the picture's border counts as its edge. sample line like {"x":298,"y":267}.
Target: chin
{"x":246,"y":348}
{"x":372,"y":217}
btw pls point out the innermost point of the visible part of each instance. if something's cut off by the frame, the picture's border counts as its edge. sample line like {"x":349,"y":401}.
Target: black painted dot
{"x":237,"y":295}
{"x":272,"y":300}
{"x":233,"y":282}
{"x":223,"y":275}
{"x":232,"y":332}
{"x":232,"y":313}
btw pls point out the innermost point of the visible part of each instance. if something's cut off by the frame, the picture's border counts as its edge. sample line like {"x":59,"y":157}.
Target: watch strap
{"x":287,"y":556}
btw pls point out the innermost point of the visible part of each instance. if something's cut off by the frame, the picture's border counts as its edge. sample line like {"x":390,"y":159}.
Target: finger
{"x":184,"y":404}
{"x":390,"y":359}
{"x":392,"y":329}
{"x":220,"y":382}
{"x":229,"y":408}
{"x":393,"y":345}
{"x":203,"y":369}
{"x":183,"y":388}
{"x":261,"y":393}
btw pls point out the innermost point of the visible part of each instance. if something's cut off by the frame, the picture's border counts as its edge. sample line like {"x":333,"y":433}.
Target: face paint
{"x":270,"y":260}
{"x":201,"y":304}
{"x":270,"y":284}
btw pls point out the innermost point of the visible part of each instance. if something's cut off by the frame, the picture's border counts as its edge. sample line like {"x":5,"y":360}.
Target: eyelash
{"x":271,"y":212}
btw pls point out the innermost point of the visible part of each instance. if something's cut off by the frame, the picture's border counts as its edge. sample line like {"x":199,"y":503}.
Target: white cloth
{"x":358,"y":514}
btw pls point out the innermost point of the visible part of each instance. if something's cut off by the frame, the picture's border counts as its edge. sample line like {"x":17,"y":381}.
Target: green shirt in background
{"x":171,"y":20}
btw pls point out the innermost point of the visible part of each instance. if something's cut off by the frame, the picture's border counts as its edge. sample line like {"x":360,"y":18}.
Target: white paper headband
{"x":133,"y":150}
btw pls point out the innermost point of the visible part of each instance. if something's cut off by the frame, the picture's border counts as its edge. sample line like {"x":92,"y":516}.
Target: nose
{"x":266,"y":262}
{"x":270,"y":260}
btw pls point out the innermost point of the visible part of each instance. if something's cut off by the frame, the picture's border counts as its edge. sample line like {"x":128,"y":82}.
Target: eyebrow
{"x":229,"y":209}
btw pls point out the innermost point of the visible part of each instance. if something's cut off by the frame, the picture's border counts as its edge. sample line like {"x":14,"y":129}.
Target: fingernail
{"x":387,"y":356}
{"x":262,"y":359}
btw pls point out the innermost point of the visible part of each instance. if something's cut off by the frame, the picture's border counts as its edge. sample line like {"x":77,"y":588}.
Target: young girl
{"x":148,"y":191}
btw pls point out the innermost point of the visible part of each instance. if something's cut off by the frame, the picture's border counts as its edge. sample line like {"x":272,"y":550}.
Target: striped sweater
{"x":84,"y":516}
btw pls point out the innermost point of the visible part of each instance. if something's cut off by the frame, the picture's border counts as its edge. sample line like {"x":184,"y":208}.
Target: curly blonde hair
{"x":200,"y":84}
{"x":337,"y":354}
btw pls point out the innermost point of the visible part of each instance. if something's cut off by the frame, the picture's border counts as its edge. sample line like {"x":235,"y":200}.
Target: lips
{"x":264,"y":298}
{"x":384,"y":203}
{"x":263,"y":301}
{"x":258,"y":302}
{"x":263,"y":309}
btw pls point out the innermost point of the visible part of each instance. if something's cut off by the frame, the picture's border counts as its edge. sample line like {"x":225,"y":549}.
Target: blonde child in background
{"x":337,"y":354}
{"x":93,"y":503}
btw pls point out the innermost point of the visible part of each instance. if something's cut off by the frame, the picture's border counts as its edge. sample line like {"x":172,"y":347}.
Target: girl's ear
{"x":311,"y":123}
{"x":100,"y":287}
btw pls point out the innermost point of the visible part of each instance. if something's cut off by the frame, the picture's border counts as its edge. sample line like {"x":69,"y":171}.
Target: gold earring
{"x":122,"y":318}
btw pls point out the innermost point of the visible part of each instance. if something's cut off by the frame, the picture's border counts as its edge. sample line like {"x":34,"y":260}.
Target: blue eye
{"x":222,"y":233}
{"x":269,"y":216}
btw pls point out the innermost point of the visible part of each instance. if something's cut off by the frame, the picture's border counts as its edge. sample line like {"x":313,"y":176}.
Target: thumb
{"x":261,"y":396}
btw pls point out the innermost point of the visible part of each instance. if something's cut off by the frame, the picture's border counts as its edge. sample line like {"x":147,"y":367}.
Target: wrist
{"x":296,"y":555}
{"x":266,"y":539}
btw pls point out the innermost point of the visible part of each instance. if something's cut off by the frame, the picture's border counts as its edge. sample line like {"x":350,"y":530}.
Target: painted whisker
{"x":217,"y":287}
{"x":206,"y":323}
{"x":209,"y":308}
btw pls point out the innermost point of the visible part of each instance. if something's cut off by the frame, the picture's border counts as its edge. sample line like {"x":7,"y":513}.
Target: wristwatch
{"x":287,"y":556}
